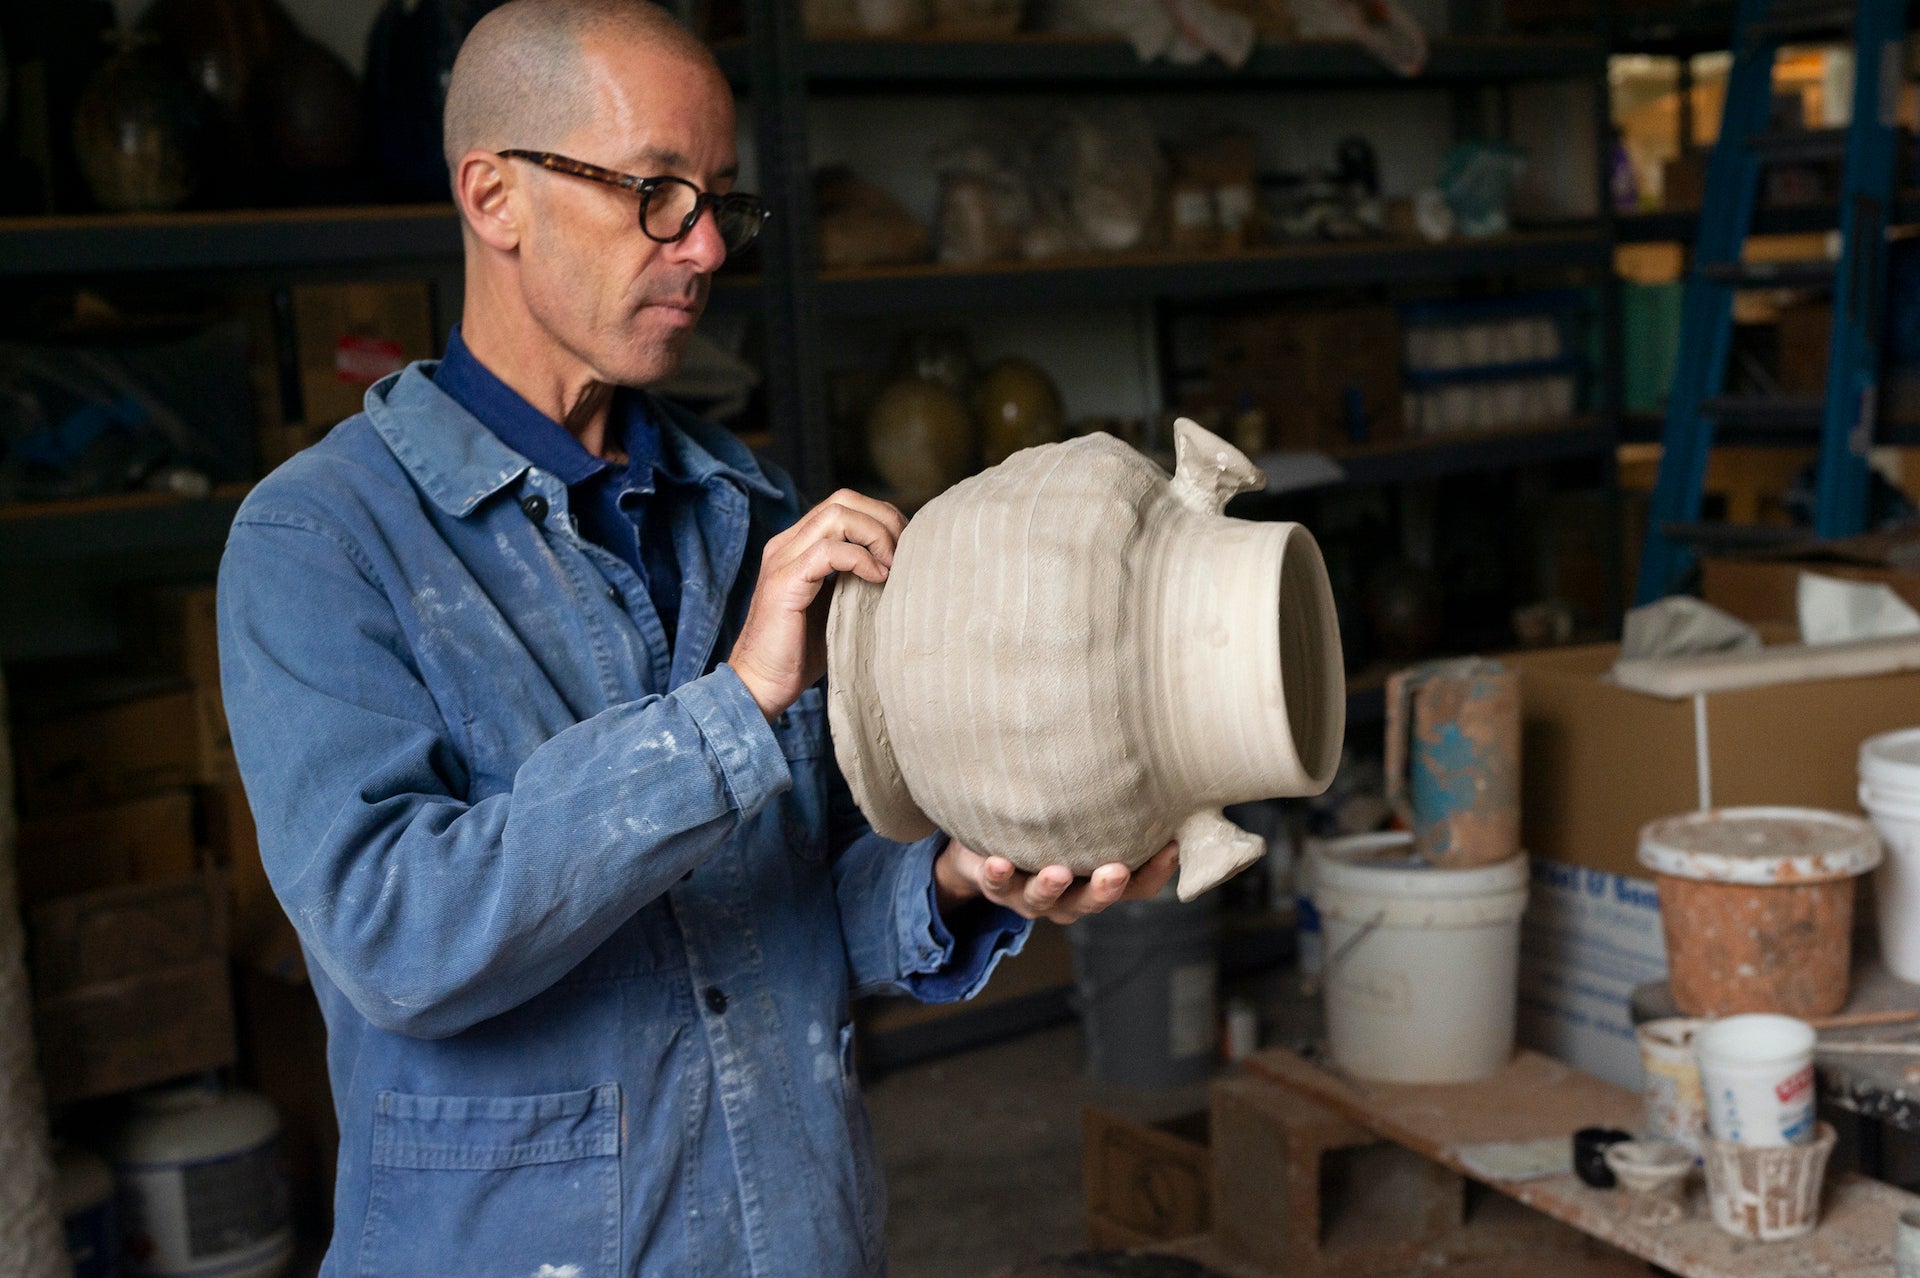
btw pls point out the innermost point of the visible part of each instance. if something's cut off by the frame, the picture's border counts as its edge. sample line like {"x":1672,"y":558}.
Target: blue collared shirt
{"x":584,"y":926}
{"x":628,"y":509}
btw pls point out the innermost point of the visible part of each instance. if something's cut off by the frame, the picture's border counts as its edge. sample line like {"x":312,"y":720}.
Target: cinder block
{"x":1303,"y":1192}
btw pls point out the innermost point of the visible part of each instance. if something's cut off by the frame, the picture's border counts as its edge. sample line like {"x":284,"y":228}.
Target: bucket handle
{"x":1348,"y":946}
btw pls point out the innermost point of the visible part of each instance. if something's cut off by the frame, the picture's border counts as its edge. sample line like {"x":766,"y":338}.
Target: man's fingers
{"x":997,"y":873}
{"x":884,"y":512}
{"x":1151,"y":877}
{"x":824,"y":558}
{"x":1045,"y":889}
{"x":1105,"y":886}
{"x":834,"y":521}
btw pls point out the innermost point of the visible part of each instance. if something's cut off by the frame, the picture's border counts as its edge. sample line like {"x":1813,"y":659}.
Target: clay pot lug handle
{"x":1213,"y":850}
{"x":1207,"y":470}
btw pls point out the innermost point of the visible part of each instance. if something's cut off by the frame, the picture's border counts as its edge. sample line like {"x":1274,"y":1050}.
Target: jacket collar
{"x":458,"y":463}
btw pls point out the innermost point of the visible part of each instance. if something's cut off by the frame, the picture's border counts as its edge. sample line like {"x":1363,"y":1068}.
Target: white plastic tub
{"x":1890,"y":793}
{"x":1422,"y":964}
{"x":1757,"y":1073}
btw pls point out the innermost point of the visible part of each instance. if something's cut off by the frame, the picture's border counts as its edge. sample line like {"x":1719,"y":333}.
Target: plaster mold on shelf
{"x":1076,"y":659}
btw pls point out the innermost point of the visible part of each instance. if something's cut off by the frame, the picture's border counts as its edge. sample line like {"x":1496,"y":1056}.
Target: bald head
{"x":520,"y":79}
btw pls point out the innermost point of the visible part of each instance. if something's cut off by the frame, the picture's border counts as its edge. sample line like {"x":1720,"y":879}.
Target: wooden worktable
{"x":1535,"y":1097}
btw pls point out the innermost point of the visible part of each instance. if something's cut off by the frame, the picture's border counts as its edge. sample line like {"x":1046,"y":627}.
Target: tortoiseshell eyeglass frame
{"x":751,"y":210}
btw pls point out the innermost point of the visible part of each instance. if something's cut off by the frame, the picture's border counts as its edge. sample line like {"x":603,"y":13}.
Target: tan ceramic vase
{"x":1075,"y":660}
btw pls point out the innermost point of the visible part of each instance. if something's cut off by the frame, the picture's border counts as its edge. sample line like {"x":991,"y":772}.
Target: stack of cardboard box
{"x":150,"y":912}
{"x":128,"y":915}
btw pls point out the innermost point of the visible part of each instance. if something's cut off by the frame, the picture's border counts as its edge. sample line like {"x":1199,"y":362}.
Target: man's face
{"x":620,"y":302}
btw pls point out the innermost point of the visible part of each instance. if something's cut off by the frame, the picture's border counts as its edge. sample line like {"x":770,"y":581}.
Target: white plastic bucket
{"x":1422,"y":964}
{"x":1757,"y":1073}
{"x":1890,"y":793}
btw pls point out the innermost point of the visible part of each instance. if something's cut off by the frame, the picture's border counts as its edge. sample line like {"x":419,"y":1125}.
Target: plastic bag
{"x":1477,"y":181}
{"x":1384,"y":28}
{"x":985,"y":207}
{"x":1099,"y":175}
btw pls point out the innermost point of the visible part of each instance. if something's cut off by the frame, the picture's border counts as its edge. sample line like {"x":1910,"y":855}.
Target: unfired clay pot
{"x":1075,"y":660}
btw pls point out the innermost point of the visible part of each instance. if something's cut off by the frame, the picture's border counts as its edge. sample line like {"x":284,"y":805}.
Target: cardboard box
{"x":1683,"y":182}
{"x":146,"y":1029}
{"x":99,"y":938}
{"x":352,"y":335}
{"x":1764,"y":588}
{"x":148,"y":840}
{"x":1145,"y":1182}
{"x":1599,"y":761}
{"x":174,"y":630}
{"x":109,"y":753}
{"x":1308,"y":370}
{"x":1587,"y":939}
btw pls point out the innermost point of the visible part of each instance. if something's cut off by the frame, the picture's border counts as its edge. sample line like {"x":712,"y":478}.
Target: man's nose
{"x":703,"y":247}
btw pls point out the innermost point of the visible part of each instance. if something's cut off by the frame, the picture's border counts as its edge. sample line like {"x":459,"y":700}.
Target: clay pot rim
{"x":1663,"y":849}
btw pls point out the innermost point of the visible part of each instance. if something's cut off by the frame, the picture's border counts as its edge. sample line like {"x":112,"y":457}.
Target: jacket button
{"x":613,"y":593}
{"x":716,"y":999}
{"x":535,"y":507}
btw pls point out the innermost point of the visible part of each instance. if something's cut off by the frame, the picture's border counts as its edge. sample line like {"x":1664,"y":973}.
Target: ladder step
{"x":1791,"y":20}
{"x":1793,"y":146}
{"x":1764,"y":413}
{"x":1800,"y":274}
{"x":1711,"y":538}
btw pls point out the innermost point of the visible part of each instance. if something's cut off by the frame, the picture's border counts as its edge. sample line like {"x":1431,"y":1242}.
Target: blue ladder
{"x":1696,"y":404}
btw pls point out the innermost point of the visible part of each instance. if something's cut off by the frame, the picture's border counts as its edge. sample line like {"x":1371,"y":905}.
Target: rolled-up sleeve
{"x":897,"y":941}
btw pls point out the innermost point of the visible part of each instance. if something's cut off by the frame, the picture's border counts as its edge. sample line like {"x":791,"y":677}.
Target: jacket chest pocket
{"x":512,"y":1185}
{"x":802,"y":734}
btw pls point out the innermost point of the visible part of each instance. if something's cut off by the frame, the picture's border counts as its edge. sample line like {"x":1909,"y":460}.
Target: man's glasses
{"x":669,"y":206}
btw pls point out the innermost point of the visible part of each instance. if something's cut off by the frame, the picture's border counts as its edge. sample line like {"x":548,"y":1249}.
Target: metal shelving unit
{"x":888,"y":64}
{"x":404,"y":236}
{"x":1776,"y":219}
{"x":1280,"y":268}
{"x":781,"y":72}
{"x":42,"y":532}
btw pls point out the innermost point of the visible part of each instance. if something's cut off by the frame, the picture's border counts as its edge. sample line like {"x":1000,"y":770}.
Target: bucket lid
{"x":1767,"y":846}
{"x":1386,"y":864}
{"x":1892,"y":759}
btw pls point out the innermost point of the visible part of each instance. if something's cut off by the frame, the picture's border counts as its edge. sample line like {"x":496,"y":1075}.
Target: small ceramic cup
{"x":1654,"y":1173}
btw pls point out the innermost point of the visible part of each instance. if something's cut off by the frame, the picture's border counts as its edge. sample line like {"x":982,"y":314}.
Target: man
{"x":583,"y":904}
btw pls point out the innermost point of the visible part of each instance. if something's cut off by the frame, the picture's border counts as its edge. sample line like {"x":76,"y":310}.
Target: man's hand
{"x":782,"y":649}
{"x":960,"y":875}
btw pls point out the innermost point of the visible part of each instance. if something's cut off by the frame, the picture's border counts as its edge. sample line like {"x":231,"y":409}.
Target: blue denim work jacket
{"x":583,"y":925}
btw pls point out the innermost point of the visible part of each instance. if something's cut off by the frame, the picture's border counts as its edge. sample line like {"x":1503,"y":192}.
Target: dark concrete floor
{"x":982,"y":1153}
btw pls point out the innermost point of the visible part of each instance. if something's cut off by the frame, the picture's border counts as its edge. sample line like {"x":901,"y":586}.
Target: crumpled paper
{"x":1681,"y":626}
{"x":1834,"y":610}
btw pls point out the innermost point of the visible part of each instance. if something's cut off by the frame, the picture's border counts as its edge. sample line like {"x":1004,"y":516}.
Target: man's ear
{"x":482,"y":187}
